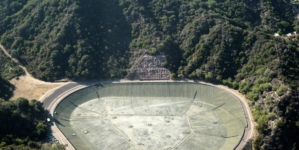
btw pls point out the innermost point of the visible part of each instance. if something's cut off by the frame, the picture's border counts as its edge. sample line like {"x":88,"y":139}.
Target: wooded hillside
{"x":229,"y":42}
{"x":22,"y":123}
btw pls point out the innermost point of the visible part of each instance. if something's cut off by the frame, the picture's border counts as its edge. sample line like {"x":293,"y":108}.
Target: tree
{"x":41,"y":129}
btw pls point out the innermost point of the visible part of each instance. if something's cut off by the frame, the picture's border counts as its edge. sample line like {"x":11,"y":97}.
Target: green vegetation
{"x":280,"y":90}
{"x":5,"y":89}
{"x":8,"y":69}
{"x":53,"y":147}
{"x":262,"y":118}
{"x":56,"y":39}
{"x":229,"y":42}
{"x":22,"y":123}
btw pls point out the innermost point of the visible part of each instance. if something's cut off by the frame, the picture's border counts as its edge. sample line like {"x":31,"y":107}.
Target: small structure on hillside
{"x":151,"y":68}
{"x":293,"y":35}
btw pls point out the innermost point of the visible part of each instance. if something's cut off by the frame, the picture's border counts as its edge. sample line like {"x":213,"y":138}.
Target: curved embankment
{"x":186,"y":116}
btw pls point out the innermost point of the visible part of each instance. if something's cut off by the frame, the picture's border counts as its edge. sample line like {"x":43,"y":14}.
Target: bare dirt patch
{"x":27,"y":86}
{"x":30,"y":88}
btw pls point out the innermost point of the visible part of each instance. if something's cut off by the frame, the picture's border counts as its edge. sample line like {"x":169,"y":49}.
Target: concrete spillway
{"x":151,"y":115}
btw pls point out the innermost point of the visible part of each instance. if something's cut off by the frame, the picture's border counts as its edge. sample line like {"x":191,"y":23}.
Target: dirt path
{"x":27,"y":86}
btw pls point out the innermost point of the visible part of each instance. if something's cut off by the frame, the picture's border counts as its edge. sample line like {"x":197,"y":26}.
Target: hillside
{"x":229,"y":42}
{"x":5,"y":89}
{"x":22,"y":122}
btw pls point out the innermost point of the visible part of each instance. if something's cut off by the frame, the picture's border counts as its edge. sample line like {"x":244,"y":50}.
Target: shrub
{"x":180,"y":75}
{"x":280,"y":90}
{"x":192,"y":75}
{"x":244,"y":87}
{"x":153,"y":51}
{"x":257,"y":143}
{"x":173,"y":75}
{"x":265,"y":87}
{"x":252,"y":96}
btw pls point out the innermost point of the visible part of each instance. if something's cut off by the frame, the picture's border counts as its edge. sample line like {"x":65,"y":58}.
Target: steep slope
{"x":67,"y":38}
{"x":5,"y":89}
{"x":8,"y":68}
{"x":223,"y":41}
{"x":22,"y":123}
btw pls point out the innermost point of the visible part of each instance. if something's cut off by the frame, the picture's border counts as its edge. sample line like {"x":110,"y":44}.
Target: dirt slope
{"x":27,"y":86}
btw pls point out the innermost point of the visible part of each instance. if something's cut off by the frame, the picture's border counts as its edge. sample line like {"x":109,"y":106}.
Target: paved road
{"x":50,"y":101}
{"x":50,"y":97}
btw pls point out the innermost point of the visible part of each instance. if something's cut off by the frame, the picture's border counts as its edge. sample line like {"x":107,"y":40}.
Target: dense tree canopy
{"x":22,"y":122}
{"x":5,"y":89}
{"x":8,"y":69}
